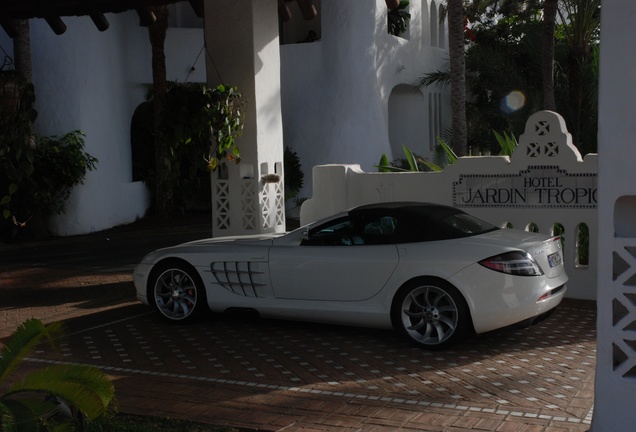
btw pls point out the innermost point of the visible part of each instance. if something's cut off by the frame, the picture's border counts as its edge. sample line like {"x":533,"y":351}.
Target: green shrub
{"x":38,"y":179}
{"x":37,"y":173}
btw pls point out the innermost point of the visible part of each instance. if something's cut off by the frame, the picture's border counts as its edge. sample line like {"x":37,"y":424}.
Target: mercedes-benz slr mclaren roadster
{"x":432,"y":272}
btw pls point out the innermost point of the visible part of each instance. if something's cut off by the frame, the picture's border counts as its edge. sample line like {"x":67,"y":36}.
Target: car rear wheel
{"x":176,"y":290}
{"x":432,"y":313}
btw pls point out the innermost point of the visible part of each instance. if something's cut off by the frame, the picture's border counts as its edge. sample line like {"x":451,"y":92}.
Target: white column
{"x":615,"y":389}
{"x":243,"y":50}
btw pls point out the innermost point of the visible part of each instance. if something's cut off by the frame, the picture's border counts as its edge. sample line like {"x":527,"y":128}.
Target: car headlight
{"x":517,"y":263}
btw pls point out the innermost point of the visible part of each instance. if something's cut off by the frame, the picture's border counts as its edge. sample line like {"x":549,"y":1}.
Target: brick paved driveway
{"x":273,"y":375}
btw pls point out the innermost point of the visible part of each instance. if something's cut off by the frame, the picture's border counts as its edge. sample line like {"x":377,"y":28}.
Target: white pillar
{"x":243,"y":50}
{"x":615,"y":389}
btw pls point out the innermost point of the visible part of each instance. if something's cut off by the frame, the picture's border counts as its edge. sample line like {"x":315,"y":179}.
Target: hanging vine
{"x":227,"y":118}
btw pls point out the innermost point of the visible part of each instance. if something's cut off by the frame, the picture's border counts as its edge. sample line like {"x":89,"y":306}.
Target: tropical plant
{"x":16,"y":155}
{"x":505,"y":63}
{"x":580,"y":32}
{"x":39,"y":177}
{"x":398,"y":18}
{"x":41,"y":399}
{"x":445,"y":156}
{"x":59,"y":164}
{"x":408,"y":164}
{"x":227,"y":120}
{"x":200,"y":124}
{"x":507,"y":143}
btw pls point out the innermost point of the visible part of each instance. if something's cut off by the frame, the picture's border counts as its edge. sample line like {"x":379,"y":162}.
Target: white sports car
{"x":432,"y":272}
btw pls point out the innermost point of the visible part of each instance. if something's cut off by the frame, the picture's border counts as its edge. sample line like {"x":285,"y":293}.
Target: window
{"x":333,"y":233}
{"x":354,"y":232}
{"x":467,"y":224}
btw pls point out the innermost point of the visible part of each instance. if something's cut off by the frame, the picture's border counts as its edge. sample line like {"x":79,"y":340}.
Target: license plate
{"x":554,"y":259}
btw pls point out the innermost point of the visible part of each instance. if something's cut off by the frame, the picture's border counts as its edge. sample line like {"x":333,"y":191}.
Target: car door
{"x":336,"y":262}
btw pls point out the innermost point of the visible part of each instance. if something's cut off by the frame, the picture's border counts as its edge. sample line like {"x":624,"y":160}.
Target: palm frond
{"x":24,"y":340}
{"x":86,"y":388}
{"x":437,"y":78}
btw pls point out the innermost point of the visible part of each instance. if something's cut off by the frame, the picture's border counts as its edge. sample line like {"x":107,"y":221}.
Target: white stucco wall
{"x":545,"y":182}
{"x":335,"y":97}
{"x":615,"y":387}
{"x":93,"y":81}
{"x":242,"y":39}
{"x":335,"y":92}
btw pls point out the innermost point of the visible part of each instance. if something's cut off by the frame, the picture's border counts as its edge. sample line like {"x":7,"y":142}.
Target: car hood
{"x":256,"y":240}
{"x":195,"y":247}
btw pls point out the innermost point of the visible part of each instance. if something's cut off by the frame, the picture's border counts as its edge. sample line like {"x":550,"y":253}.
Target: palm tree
{"x":22,"y":49}
{"x":550,"y":8}
{"x":455,"y":10}
{"x":163,"y":188}
{"x":41,"y":397}
{"x":581,"y":33}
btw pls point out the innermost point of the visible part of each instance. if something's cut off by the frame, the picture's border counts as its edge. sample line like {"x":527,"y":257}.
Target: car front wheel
{"x":431,"y":313}
{"x":176,"y":290}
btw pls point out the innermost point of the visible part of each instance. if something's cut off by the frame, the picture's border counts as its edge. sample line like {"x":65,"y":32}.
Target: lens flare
{"x":514,"y":101}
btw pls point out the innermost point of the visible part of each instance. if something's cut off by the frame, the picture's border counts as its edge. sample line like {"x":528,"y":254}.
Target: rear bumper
{"x":499,"y":300}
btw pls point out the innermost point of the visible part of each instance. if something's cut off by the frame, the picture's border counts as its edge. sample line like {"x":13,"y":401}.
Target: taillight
{"x":517,"y":263}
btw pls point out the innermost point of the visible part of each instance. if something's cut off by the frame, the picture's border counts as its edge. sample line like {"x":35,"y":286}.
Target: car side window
{"x":380,"y":230}
{"x":340,"y":232}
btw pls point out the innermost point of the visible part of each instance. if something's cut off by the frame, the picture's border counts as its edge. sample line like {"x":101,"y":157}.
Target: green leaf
{"x":13,"y":188}
{"x":431,"y":165}
{"x":384,"y":165}
{"x":450,"y":154}
{"x":84,"y":387}
{"x":507,"y":143}
{"x":4,"y":201}
{"x":23,"y":341}
{"x":410,"y":159}
{"x":22,"y":412}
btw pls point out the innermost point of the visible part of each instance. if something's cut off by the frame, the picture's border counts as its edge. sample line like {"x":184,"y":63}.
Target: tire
{"x":431,"y":313}
{"x":176,"y":290}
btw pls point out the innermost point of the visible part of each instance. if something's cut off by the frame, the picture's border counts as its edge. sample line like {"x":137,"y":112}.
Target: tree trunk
{"x":577,"y":60}
{"x":22,"y":49}
{"x":163,"y":199}
{"x":458,"y":75}
{"x":550,"y":8}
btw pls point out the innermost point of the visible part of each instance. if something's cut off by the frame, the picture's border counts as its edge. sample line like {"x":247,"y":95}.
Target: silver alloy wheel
{"x":175,"y":294}
{"x":429,"y":315}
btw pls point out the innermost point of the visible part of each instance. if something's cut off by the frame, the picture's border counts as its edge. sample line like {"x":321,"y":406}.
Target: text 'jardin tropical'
{"x":538,"y":186}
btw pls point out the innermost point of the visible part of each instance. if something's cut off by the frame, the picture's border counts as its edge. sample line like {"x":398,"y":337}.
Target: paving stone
{"x":276,"y":375}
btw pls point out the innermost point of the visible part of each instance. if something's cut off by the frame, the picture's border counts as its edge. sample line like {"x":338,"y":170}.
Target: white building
{"x":340,"y":102}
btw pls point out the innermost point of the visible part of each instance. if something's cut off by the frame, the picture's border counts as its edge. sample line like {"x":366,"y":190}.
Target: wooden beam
{"x":99,"y":20}
{"x":56,"y":24}
{"x":146,"y":17}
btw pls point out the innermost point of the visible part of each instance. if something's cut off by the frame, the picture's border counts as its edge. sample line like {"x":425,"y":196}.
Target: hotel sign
{"x":538,"y":186}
